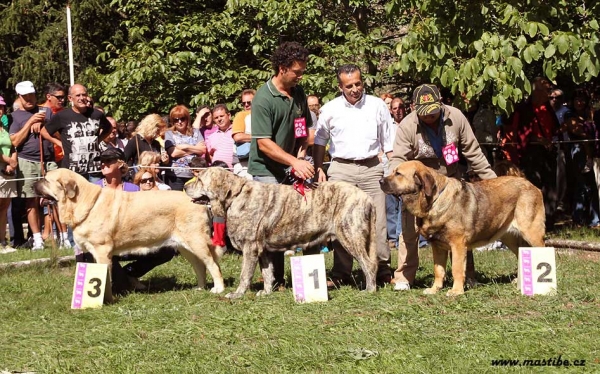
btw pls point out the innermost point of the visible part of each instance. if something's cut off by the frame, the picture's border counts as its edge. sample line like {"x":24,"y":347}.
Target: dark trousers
{"x":540,"y":167}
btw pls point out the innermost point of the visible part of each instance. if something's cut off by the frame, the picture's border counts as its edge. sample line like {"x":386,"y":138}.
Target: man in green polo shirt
{"x":280,"y":122}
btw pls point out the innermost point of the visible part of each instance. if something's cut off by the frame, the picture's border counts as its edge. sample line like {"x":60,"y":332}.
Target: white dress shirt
{"x":356,"y":132}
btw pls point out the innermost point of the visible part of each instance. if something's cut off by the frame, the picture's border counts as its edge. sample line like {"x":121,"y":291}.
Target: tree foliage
{"x":205,"y":53}
{"x":35,"y":45}
{"x":499,"y":46}
{"x":141,"y":56}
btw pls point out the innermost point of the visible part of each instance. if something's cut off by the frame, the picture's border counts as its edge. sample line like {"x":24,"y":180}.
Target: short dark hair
{"x":53,"y":87}
{"x":220,"y":107}
{"x":287,"y":53}
{"x":197,"y":162}
{"x":219,"y":164}
{"x":347,"y":69}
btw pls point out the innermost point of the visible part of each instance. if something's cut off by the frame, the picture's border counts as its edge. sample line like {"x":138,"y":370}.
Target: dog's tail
{"x":372,"y":238}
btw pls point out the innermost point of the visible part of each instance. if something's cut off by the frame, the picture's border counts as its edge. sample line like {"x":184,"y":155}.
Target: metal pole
{"x":70,"y":37}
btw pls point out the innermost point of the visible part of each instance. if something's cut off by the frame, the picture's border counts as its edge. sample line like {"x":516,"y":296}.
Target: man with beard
{"x":280,"y":122}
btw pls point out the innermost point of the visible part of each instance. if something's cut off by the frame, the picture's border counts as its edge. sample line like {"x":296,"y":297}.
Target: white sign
{"x":309,"y":282}
{"x":537,"y":271}
{"x":90,"y":282}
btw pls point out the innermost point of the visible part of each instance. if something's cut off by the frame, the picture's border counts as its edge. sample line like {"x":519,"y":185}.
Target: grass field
{"x":172,"y":328}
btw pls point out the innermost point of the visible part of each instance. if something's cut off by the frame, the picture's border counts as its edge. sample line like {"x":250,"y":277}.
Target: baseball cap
{"x":24,"y":88}
{"x":110,"y":154}
{"x":2,"y":102}
{"x":426,"y":99}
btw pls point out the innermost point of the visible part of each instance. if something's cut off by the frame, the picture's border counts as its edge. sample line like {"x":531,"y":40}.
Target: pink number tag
{"x":450,"y":154}
{"x":300,"y":127}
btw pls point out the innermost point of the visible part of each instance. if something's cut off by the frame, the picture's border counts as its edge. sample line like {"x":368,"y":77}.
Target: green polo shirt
{"x":273,"y":115}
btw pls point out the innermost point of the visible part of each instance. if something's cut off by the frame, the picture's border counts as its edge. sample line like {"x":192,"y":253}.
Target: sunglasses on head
{"x":147,"y":180}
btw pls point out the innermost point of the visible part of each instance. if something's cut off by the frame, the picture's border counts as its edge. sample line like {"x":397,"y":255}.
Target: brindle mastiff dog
{"x":108,"y":222}
{"x":265,"y":217}
{"x":458,"y":216}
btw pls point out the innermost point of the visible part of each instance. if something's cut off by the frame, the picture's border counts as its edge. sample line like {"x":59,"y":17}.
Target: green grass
{"x":173,"y":328}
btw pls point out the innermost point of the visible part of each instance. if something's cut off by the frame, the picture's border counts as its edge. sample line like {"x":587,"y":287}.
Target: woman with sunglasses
{"x":182,"y":143}
{"x":147,"y":181}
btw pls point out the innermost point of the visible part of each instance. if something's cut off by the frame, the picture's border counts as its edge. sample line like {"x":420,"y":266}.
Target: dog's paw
{"x":454,"y":292}
{"x":262,"y":293}
{"x":430,"y":291}
{"x":217,"y":289}
{"x":234,"y":295}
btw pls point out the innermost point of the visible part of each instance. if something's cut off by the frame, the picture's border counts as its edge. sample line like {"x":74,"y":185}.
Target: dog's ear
{"x":426,"y":181}
{"x":71,"y":189}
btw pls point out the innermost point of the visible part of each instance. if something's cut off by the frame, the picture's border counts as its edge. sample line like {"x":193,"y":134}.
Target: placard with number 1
{"x":309,"y":282}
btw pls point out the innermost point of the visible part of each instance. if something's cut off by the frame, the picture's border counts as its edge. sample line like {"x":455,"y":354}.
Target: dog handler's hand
{"x":322,"y":177}
{"x":303,"y":169}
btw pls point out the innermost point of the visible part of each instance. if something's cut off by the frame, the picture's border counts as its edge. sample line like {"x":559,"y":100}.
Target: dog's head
{"x":415,"y":183}
{"x":70,"y":190}
{"x":58,"y":185}
{"x":215,"y":184}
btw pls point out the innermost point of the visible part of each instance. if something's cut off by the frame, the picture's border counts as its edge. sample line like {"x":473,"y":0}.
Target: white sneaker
{"x":401,"y":286}
{"x":37,"y":246}
{"x":66,"y":244}
{"x":7,"y":249}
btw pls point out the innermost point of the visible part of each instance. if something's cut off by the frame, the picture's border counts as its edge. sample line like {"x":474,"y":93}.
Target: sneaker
{"x":402,"y":286}
{"x":7,"y":249}
{"x":37,"y":246}
{"x":66,"y":244}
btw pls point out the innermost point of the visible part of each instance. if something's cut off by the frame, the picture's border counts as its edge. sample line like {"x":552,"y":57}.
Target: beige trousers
{"x":366,"y":177}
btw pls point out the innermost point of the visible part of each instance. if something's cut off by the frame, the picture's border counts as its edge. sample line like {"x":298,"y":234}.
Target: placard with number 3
{"x":88,"y":289}
{"x":309,"y":281}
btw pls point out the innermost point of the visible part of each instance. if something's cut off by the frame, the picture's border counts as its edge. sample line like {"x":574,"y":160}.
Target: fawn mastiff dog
{"x":458,"y":216}
{"x":271,"y":217}
{"x":109,"y":222}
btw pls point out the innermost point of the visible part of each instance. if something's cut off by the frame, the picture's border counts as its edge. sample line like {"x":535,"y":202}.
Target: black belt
{"x":357,"y":162}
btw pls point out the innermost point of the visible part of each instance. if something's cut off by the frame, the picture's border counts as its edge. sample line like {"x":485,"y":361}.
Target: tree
{"x":208,"y":52}
{"x":498,"y":45}
{"x":35,"y":45}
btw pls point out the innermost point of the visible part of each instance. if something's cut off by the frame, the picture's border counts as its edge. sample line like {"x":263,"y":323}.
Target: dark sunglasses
{"x":181,"y":119}
{"x":58,"y":97}
{"x":146,"y":180}
{"x":246,"y":102}
{"x":556,"y":97}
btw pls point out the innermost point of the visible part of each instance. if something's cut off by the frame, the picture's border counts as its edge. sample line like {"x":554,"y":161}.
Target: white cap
{"x":24,"y":88}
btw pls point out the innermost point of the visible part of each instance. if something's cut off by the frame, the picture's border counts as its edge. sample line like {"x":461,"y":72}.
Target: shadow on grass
{"x":161,"y":284}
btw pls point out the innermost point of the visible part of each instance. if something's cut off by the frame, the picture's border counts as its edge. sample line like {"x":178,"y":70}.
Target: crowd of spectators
{"x":551,"y":137}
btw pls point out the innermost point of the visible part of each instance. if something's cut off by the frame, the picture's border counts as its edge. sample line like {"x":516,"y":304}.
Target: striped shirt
{"x":222,"y":143}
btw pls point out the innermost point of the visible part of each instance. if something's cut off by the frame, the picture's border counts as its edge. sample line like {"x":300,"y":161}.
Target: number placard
{"x":90,"y":282}
{"x":309,"y":281}
{"x":537,"y":271}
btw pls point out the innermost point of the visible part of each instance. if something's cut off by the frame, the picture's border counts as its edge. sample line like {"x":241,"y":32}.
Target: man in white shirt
{"x":359,"y":127}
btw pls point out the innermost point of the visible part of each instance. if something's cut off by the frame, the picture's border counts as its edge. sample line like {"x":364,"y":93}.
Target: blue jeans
{"x":393,"y":211}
